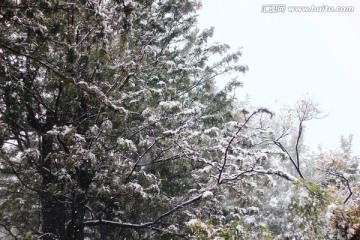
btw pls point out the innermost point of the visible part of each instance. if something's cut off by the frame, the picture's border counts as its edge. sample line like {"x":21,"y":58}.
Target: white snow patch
{"x":249,"y":220}
{"x":252,"y":210}
{"x":169,"y":104}
{"x":126,"y":143}
{"x":206,"y":169}
{"x":207,"y":194}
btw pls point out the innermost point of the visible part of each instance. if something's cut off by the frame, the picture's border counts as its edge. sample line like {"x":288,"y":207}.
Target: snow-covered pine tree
{"x":112,"y":127}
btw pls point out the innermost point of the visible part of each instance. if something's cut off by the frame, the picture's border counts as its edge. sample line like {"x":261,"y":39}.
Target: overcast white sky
{"x":291,"y":55}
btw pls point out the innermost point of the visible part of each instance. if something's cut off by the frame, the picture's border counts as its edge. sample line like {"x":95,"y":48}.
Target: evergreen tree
{"x":112,"y":127}
{"x":107,"y":110}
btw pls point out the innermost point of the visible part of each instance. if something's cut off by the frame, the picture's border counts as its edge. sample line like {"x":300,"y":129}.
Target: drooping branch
{"x":94,"y":90}
{"x":253,"y":171}
{"x":277,"y":173}
{"x":336,"y":174}
{"x":102,"y":222}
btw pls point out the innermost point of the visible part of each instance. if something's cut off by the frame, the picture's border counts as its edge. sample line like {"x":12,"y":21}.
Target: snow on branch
{"x":336,"y":174}
{"x":277,"y":173}
{"x":142,"y":225}
{"x":243,"y":125}
{"x":254,"y":171}
{"x":95,"y":90}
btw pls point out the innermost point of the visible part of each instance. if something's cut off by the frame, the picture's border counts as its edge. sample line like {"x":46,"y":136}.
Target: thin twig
{"x":139,"y":158}
{"x":277,"y":143}
{"x":347,"y":183}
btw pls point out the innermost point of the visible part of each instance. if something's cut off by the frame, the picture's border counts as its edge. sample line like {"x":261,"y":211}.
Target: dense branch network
{"x":142,"y":225}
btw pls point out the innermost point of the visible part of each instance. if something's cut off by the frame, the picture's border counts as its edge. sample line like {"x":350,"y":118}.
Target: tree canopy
{"x":112,"y":127}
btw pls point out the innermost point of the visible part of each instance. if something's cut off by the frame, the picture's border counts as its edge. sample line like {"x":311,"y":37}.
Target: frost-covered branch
{"x":336,"y":174}
{"x":140,"y":157}
{"x":93,"y":89}
{"x":141,"y":225}
{"x":254,"y":171}
{"x":277,"y":173}
{"x":247,"y":119}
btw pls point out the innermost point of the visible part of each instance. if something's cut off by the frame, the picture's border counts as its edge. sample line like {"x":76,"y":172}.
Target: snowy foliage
{"x":111,"y":127}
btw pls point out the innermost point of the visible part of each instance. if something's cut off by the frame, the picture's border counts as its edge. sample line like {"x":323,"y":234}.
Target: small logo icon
{"x":273,"y":8}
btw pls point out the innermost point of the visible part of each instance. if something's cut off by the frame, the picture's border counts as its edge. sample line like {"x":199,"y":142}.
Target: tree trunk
{"x":53,"y":209}
{"x":58,"y":223}
{"x":53,"y":217}
{"x":75,"y":229}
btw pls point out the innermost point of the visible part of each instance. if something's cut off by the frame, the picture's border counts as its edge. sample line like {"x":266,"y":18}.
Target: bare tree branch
{"x":277,"y":143}
{"x":336,"y":174}
{"x":297,"y":144}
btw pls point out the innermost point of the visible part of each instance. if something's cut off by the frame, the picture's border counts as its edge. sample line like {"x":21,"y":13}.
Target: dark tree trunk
{"x":62,"y":217}
{"x":64,"y":221}
{"x":53,"y":209}
{"x":75,"y":229}
{"x":53,"y":213}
